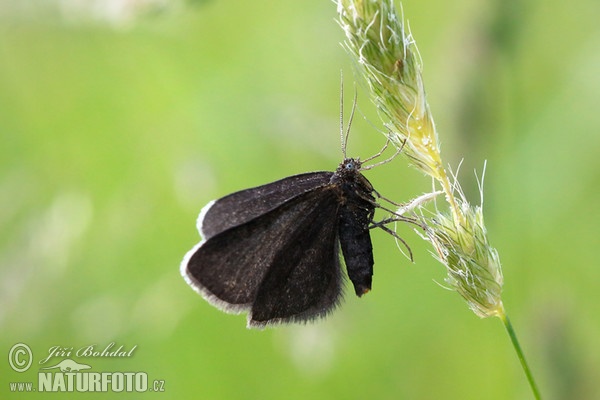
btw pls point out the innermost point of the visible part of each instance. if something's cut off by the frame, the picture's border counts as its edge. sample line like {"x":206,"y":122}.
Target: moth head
{"x":349,"y":166}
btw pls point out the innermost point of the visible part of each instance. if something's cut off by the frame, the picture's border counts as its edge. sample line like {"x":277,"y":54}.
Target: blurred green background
{"x":120,"y":119}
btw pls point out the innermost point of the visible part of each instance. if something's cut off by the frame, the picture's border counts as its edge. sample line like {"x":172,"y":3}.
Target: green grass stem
{"x":515,"y":342}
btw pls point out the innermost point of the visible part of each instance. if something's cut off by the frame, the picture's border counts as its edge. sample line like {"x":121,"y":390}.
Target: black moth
{"x":273,"y":250}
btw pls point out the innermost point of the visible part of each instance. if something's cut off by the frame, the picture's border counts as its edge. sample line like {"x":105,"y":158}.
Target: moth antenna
{"x":342,"y":139}
{"x":351,"y":118}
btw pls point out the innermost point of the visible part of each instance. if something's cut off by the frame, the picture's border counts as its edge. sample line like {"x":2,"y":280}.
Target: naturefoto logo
{"x":68,"y":375}
{"x":68,"y":365}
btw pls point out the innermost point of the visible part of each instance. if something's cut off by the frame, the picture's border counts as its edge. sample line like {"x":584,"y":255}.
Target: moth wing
{"x":283,"y":264}
{"x":245,"y":205}
{"x":304,"y":281}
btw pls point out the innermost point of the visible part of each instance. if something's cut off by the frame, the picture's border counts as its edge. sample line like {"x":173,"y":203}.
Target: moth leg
{"x":387,"y":142}
{"x":381,"y":225}
{"x":387,"y":200}
{"x":401,"y":218}
{"x":398,"y":151}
